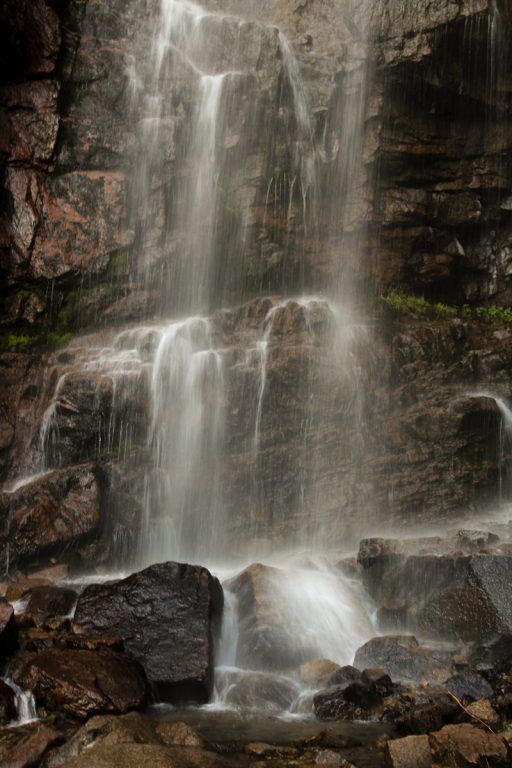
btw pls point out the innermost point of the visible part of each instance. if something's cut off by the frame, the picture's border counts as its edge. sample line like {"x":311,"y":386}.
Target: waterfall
{"x":25,"y":705}
{"x":162,"y":394}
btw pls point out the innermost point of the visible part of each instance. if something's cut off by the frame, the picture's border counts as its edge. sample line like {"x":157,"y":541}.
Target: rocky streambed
{"x":133,"y":670}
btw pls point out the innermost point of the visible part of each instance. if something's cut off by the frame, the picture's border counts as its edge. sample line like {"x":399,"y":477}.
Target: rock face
{"x":83,"y":683}
{"x":168,"y":616}
{"x":60,"y":509}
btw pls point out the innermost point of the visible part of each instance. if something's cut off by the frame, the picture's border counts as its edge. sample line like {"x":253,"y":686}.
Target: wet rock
{"x":107,"y":730}
{"x":345,"y":674}
{"x":402,"y":658}
{"x":168,"y":616}
{"x":83,"y":683}
{"x":469,"y":746}
{"x":59,"y":509}
{"x":29,"y":751}
{"x":497,"y":653}
{"x":332,"y":704}
{"x":453,"y":595}
{"x":410,"y":752}
{"x":257,"y":691}
{"x":469,"y":686}
{"x":179,"y":735}
{"x":7,"y":703}
{"x":317,"y":674}
{"x":8,"y":630}
{"x":124,"y":755}
{"x":264,"y":638}
{"x":51,"y":601}
{"x":378,"y":679}
{"x":261,"y":749}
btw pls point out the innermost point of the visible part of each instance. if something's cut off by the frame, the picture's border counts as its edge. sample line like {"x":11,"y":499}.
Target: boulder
{"x":51,"y":601}
{"x":276,"y":608}
{"x":58,"y":510}
{"x":83,"y":683}
{"x":264,"y":639}
{"x":469,"y":686}
{"x":8,"y":630}
{"x":410,"y":752}
{"x":468,"y":745}
{"x":168,"y":616}
{"x":402,"y":658}
{"x":438,"y":589}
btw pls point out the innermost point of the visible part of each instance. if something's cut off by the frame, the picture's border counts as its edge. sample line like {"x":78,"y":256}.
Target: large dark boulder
{"x":60,"y":509}
{"x":83,"y":683}
{"x":168,"y":616}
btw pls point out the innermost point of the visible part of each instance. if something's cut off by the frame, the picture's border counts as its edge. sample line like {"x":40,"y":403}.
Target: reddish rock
{"x":83,"y":683}
{"x":410,"y":752}
{"x":29,"y":751}
{"x":469,"y":746}
{"x":51,"y":601}
{"x":61,"y":508}
{"x":65,"y":241}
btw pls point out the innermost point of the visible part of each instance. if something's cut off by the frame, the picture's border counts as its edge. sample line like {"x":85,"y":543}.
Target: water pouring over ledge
{"x":182,"y":369}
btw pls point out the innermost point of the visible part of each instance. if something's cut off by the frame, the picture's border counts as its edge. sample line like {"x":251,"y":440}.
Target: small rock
{"x":378,"y":679}
{"x":410,"y":752}
{"x":345,"y":674}
{"x":317,"y":674}
{"x":483,"y":710}
{"x":261,"y":749}
{"x":51,"y":601}
{"x":329,"y":758}
{"x":469,"y":686}
{"x":179,"y":735}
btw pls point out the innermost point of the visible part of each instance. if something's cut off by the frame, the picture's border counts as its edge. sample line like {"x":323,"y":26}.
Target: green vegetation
{"x":406,"y":304}
{"x":46,"y":340}
{"x":19,"y":342}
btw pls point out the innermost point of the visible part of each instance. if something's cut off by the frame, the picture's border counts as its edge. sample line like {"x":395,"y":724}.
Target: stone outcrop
{"x":168,"y":616}
{"x":451,"y":595}
{"x":56,"y":511}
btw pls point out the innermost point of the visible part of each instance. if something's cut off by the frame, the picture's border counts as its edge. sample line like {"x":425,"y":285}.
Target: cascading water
{"x":180,"y":373}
